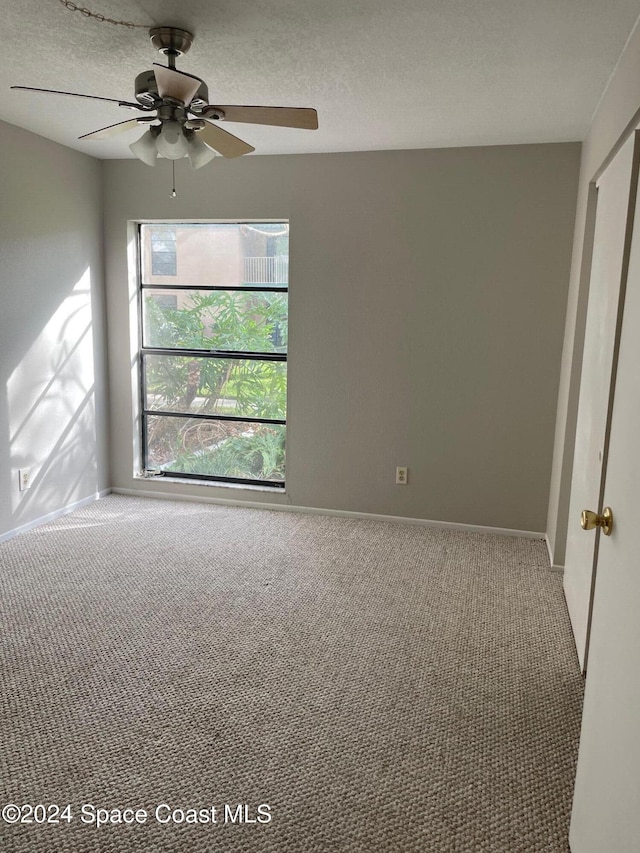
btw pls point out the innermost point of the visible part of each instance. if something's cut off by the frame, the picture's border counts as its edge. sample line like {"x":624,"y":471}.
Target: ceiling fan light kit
{"x":183,"y":124}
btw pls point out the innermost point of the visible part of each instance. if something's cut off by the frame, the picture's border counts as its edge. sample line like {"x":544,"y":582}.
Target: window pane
{"x":164,"y":263}
{"x":216,"y":448}
{"x":216,"y":254}
{"x":163,"y":250}
{"x":221,"y":319}
{"x":216,"y":386}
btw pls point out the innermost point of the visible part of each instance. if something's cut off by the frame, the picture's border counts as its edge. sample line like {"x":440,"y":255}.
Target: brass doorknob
{"x":589,"y":520}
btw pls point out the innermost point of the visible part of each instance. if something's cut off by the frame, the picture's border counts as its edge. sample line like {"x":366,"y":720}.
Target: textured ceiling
{"x":409,"y":74}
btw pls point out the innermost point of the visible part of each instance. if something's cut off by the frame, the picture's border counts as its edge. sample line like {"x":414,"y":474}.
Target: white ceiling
{"x":382,"y":75}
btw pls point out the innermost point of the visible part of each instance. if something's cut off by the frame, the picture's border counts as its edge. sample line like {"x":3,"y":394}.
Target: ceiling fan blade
{"x":113,"y":129}
{"x":175,"y":84}
{"x":225,"y":143}
{"x":78,"y":95}
{"x":301,"y":117}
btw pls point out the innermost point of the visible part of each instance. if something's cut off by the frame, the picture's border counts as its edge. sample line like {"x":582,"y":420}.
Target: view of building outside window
{"x":214,"y":350}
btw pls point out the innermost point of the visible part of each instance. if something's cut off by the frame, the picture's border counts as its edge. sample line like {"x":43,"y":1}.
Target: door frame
{"x":585,"y":279}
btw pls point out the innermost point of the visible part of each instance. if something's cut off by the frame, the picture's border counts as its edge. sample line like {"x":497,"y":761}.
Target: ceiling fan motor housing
{"x":146,"y":89}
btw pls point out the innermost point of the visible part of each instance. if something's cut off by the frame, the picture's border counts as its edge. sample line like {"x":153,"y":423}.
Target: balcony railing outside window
{"x":274,"y":270}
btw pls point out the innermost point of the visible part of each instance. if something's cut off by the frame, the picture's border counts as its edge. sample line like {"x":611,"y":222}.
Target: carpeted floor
{"x":380,"y":687}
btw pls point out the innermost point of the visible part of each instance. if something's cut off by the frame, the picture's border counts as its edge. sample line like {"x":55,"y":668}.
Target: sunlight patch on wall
{"x":52,"y":408}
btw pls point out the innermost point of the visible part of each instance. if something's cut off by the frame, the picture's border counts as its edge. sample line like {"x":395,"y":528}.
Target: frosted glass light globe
{"x":172,"y":143}
{"x":199,"y":154}
{"x":145,"y":148}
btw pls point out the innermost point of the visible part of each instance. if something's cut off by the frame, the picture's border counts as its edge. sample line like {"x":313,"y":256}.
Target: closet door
{"x":613,"y":229}
{"x":606,"y":806}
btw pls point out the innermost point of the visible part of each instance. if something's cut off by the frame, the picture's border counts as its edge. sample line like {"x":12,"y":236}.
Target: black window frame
{"x":238,"y":355}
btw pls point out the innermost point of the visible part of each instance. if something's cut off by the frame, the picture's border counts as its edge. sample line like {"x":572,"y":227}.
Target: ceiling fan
{"x":182,"y":121}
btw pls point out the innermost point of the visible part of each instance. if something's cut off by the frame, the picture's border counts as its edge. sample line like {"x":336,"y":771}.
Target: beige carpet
{"x":380,"y":687}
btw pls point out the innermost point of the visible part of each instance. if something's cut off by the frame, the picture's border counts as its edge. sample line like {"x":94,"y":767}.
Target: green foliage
{"x":258,"y":457}
{"x":237,"y":321}
{"x":246,"y":321}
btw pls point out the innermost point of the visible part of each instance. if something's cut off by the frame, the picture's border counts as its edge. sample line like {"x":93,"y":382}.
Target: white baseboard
{"x":51,"y":516}
{"x":398,"y":519}
{"x":447,"y":525}
{"x":557,"y":569}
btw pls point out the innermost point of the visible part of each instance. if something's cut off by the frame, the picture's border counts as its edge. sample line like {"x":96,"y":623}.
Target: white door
{"x":614,"y":217}
{"x":606,"y":807}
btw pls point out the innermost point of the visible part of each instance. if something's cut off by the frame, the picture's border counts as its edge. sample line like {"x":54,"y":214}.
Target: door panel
{"x":606,"y":808}
{"x":614,"y":218}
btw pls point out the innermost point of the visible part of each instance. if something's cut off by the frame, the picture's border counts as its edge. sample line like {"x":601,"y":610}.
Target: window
{"x":213,"y":356}
{"x":163,"y":250}
{"x":166,"y":300}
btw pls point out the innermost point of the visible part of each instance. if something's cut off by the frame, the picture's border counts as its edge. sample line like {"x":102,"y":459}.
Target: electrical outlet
{"x":401,"y":476}
{"x":24,"y":479}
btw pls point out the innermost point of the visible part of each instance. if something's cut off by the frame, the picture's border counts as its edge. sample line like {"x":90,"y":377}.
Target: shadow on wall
{"x":51,"y":411}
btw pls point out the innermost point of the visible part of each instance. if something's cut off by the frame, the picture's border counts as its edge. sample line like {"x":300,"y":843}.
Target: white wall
{"x":427,"y":301}
{"x":52,"y":366}
{"x":618,"y":112}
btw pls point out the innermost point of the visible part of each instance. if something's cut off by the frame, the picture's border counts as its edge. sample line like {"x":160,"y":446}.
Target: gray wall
{"x":52,"y":337}
{"x":618,"y":113}
{"x":428,"y":291}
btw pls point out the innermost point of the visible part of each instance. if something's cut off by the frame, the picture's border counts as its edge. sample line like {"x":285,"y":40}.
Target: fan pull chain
{"x":173,"y":192}
{"x":69,"y":4}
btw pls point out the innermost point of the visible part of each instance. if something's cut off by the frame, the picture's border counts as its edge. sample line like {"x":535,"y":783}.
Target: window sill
{"x":207,"y":484}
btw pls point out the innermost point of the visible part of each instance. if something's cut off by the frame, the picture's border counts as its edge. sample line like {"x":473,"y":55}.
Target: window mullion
{"x":205,"y":353}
